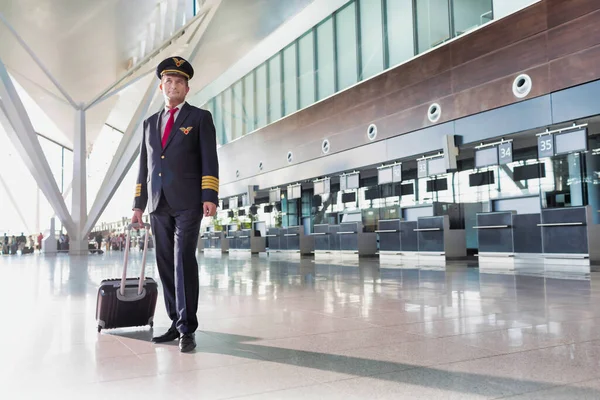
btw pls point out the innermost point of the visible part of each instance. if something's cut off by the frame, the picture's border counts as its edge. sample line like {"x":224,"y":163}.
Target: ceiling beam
{"x":208,"y":6}
{"x":21,"y":133}
{"x":38,"y":61}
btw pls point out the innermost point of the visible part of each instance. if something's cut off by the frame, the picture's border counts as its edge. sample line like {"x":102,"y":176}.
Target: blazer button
{"x":162,"y":157}
{"x":159,"y":174}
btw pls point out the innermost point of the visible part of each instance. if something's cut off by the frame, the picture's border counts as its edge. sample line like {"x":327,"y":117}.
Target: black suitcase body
{"x":132,"y":306}
{"x":116,"y":311}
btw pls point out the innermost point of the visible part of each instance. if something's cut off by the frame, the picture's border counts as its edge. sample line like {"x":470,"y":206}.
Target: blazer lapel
{"x":181,"y":117}
{"x":157,"y":136}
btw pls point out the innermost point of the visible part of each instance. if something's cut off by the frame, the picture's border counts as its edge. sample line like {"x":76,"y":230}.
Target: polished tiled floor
{"x":288,"y":328}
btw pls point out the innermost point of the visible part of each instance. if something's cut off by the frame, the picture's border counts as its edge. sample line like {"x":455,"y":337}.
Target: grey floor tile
{"x":278,"y":328}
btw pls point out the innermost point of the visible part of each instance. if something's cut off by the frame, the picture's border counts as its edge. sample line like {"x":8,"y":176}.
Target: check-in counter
{"x":347,"y":238}
{"x":564,"y":236}
{"x":290,"y":240}
{"x":409,"y":240}
{"x":389,"y":236}
{"x":435,"y":238}
{"x":334,"y":238}
{"x":569,"y":234}
{"x":428,"y":236}
{"x":245,"y":240}
{"x":527,"y":234}
{"x":321,"y":238}
{"x":495,"y":233}
{"x":354,"y":240}
{"x":213,"y":242}
{"x":274,"y":239}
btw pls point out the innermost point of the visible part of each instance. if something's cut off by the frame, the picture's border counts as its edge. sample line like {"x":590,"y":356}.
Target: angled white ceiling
{"x":87,"y":45}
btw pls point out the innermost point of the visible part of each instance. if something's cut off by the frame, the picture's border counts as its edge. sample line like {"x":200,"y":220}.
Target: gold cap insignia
{"x":178,"y":62}
{"x":186,"y":130}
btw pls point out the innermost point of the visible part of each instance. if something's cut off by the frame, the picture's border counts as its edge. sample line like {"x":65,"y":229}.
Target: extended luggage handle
{"x":143,"y":272}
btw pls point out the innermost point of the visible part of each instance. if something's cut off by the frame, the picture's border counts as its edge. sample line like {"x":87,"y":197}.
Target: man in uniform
{"x":178,"y":183}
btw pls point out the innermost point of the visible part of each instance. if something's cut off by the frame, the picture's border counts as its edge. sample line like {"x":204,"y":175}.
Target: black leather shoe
{"x":169,"y":336}
{"x":187,"y":342}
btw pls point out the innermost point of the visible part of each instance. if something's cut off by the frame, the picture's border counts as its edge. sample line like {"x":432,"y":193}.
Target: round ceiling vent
{"x":434,"y":112}
{"x":325,"y":146}
{"x":237,"y":173}
{"x":290,"y":157}
{"x":260,"y":166}
{"x":522,"y":86}
{"x":372,"y":132}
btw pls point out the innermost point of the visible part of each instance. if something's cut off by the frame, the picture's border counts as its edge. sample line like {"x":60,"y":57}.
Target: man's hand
{"x":210,"y":209}
{"x":137,"y":217}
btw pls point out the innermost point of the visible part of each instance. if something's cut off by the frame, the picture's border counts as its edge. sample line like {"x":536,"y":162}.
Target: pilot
{"x":178,"y":184}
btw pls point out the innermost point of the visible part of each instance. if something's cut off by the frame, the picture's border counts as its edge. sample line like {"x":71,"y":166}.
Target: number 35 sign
{"x":545,"y":146}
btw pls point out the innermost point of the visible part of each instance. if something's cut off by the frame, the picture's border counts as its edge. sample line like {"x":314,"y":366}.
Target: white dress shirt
{"x":164,"y":117}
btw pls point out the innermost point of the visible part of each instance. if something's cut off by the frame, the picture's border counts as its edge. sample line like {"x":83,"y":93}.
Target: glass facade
{"x":325,"y":59}
{"x":433,"y":23}
{"x":346,"y":46}
{"x":290,"y":80}
{"x":306,"y":63}
{"x":358,"y":41}
{"x":371,"y":38}
{"x":275,"y":92}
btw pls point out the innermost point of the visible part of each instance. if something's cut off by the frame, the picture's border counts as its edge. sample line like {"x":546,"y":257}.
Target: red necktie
{"x":169,"y":125}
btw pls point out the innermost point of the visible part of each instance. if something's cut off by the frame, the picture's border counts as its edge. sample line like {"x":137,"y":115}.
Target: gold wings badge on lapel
{"x":186,"y":130}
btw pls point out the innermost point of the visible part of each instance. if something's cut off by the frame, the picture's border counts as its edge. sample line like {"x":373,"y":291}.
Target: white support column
{"x":78,"y":242}
{"x":21,"y":133}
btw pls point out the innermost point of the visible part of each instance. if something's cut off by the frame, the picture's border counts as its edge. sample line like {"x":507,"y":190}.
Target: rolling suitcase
{"x":127,"y":302}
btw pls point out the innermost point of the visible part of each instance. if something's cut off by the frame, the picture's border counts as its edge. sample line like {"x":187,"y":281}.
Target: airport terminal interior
{"x":408,"y":199}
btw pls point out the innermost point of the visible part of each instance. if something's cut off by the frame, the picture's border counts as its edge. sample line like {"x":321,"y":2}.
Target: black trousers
{"x":176,"y":235}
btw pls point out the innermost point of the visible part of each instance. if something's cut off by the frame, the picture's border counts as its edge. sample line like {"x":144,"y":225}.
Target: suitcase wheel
{"x":99,"y":328}
{"x":151,"y":324}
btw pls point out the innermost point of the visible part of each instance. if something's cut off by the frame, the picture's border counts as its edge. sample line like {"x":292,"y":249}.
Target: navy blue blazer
{"x":186,"y":170}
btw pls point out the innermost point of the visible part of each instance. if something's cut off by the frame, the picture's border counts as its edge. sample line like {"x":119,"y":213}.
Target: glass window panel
{"x":290,"y":80}
{"x":400,"y":31}
{"x":228,"y":114}
{"x":249,"y":93}
{"x":469,"y":14}
{"x":238,"y":120}
{"x":502,"y":8}
{"x":325,"y":59}
{"x":433,"y":25}
{"x":261,"y":96}
{"x":306,"y":52}
{"x":371,"y":38}
{"x":218,"y":119}
{"x":346,"y":46}
{"x":275,"y":100}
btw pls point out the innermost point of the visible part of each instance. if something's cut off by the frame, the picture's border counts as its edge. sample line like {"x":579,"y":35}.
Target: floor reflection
{"x":352,"y":328}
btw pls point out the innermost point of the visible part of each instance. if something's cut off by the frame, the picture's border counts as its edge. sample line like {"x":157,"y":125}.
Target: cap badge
{"x":178,"y":62}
